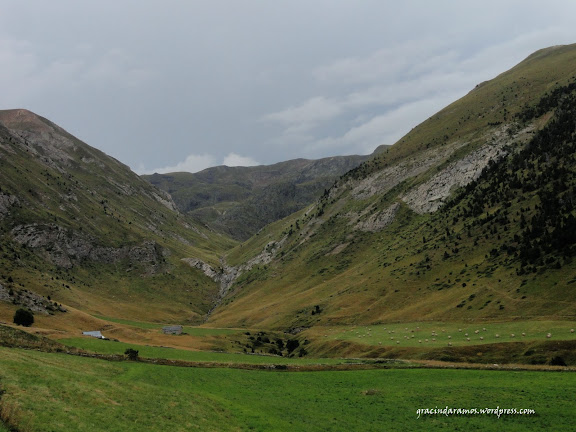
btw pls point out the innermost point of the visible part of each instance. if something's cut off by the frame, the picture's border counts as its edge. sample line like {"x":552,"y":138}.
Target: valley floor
{"x":49,"y":391}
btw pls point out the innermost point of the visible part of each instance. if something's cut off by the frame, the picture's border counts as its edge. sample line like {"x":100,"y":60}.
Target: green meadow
{"x":439,"y":334}
{"x":49,"y":392}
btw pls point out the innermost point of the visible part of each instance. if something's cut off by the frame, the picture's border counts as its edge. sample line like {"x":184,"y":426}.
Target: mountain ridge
{"x":72,"y":214}
{"x":239,"y":201}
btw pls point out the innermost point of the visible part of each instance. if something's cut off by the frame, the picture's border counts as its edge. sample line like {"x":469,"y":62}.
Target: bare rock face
{"x":429,"y":196}
{"x":226,"y":275}
{"x":378,"y":221}
{"x":6,"y":201}
{"x":384,"y":180}
{"x":65,"y":248}
{"x":206,"y":268}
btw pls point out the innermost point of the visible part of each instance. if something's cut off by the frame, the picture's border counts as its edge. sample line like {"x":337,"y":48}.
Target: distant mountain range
{"x":239,"y":201}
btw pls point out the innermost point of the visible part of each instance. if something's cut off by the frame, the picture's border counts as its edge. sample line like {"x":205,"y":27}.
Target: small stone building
{"x":175,"y":329}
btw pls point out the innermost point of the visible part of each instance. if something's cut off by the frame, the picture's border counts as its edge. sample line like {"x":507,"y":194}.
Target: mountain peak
{"x":21,"y":118}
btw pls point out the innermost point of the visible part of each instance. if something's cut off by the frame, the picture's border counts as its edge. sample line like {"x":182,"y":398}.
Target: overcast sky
{"x":183,"y":85}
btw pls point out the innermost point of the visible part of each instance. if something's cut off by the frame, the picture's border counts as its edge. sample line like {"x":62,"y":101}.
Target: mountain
{"x":470,"y":216}
{"x":239,"y":201}
{"x":78,"y":227}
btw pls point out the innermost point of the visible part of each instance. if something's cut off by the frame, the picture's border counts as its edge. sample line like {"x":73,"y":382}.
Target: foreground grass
{"x":46,"y":392}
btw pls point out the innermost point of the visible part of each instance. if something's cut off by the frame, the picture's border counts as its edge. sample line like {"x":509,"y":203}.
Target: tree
{"x":291,"y":345}
{"x":24,"y":317}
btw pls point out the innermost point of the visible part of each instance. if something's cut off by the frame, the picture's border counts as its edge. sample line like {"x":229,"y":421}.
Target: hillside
{"x":79,"y":228}
{"x":239,"y":201}
{"x":469,"y":216}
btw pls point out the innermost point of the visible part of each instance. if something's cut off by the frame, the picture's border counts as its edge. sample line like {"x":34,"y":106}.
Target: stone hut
{"x":175,"y":329}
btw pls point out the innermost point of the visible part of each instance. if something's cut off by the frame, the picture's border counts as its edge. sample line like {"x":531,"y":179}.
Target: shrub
{"x":131,"y":354}
{"x":557,"y":361}
{"x":24,"y":317}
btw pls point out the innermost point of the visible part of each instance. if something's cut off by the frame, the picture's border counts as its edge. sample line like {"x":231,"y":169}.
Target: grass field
{"x":111,"y":347}
{"x":194,"y":331}
{"x":46,"y":392}
{"x":437,"y":334}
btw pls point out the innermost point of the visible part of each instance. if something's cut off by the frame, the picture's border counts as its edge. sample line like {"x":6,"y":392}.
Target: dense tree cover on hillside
{"x":532,"y":192}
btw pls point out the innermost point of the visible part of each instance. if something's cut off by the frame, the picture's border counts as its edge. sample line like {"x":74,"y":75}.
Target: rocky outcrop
{"x":206,"y":268}
{"x":384,"y":180}
{"x":36,"y":303}
{"x":66,"y":248}
{"x":226,"y":275}
{"x":429,"y":196}
{"x":6,"y":201}
{"x":379,"y":220}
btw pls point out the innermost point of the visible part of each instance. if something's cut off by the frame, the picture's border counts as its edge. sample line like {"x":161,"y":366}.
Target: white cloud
{"x":382,"y":65}
{"x":234,"y":159}
{"x":193,"y":163}
{"x":26,"y":77}
{"x":306,"y":115}
{"x":379,"y":97}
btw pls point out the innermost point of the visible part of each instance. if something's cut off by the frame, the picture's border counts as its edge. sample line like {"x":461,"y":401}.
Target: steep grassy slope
{"x":239,"y":201}
{"x":468,"y":217}
{"x":81,"y":228}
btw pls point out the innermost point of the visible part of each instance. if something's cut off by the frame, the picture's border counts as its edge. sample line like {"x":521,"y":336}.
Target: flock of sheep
{"x":434,"y":335}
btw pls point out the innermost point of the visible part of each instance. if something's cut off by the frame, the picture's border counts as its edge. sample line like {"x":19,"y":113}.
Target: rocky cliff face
{"x":66,"y":248}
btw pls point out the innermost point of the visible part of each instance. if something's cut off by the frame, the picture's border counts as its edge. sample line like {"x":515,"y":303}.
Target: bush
{"x":557,"y":361}
{"x":131,"y":354}
{"x":24,"y":317}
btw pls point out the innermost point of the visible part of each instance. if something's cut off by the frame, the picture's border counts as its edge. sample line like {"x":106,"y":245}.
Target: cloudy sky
{"x":183,"y":85}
